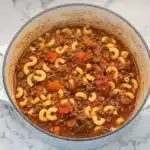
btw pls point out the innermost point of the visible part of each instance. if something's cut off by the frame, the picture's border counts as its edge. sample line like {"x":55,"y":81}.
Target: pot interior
{"x":74,"y":15}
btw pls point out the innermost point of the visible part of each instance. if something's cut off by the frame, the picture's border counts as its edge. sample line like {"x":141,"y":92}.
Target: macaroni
{"x":42,"y":115}
{"x":41,"y":76}
{"x":116,"y":91}
{"x":45,"y":68}
{"x":120,"y":120}
{"x":61,"y":93}
{"x":32,"y":48}
{"x":93,"y":97}
{"x":135,"y":83}
{"x":29,"y":79}
{"x":78,"y":32}
{"x":110,"y":109}
{"x":80,"y":71}
{"x":58,"y":62}
{"x":98,"y":122}
{"x":94,"y":111}
{"x":105,"y":39}
{"x":85,"y":81}
{"x":112,"y":85}
{"x":88,"y":111}
{"x":130,"y":95}
{"x":58,"y":32}
{"x":88,"y":66}
{"x":49,"y":114}
{"x":115,"y":52}
{"x":86,"y":30}
{"x":113,"y":69}
{"x":66,"y":30}
{"x":125,"y":85}
{"x":110,"y":45}
{"x":47,"y":103}
{"x":43,"y":97}
{"x":59,"y":50}
{"x":19,"y":93}
{"x":29,"y":64}
{"x":124,"y":54}
{"x":35,"y":101}
{"x":51,"y":43}
{"x":121,"y":59}
{"x":81,"y":95}
{"x":74,"y":45}
{"x":89,"y":77}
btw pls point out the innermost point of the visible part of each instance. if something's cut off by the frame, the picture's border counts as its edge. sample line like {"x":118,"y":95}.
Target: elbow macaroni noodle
{"x":89,"y":77}
{"x":19,"y":93}
{"x":40,"y":76}
{"x":29,"y":64}
{"x":124,"y":54}
{"x":88,"y":111}
{"x":98,"y":122}
{"x":135,"y":83}
{"x":58,"y":62}
{"x":59,"y":50}
{"x":61,"y":93}
{"x":105,"y":39}
{"x":86,"y":30}
{"x":93,"y":97}
{"x":74,"y":45}
{"x":49,"y":114}
{"x":80,"y":71}
{"x":66,"y":30}
{"x":51,"y":43}
{"x":125,"y":85}
{"x":29,"y":79}
{"x":130,"y":95}
{"x":113,"y":69}
{"x":35,"y":101}
{"x":112,"y":85}
{"x":115,"y":53}
{"x":121,"y":59}
{"x":45,"y":68}
{"x":81,"y":95}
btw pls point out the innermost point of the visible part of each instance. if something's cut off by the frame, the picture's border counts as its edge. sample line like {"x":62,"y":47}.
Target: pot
{"x":78,"y":14}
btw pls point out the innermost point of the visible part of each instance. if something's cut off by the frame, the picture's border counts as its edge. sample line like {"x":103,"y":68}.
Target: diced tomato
{"x":53,"y":86}
{"x":57,"y":130}
{"x":83,"y":57}
{"x":64,"y":109}
{"x":89,"y":42}
{"x":51,"y":56}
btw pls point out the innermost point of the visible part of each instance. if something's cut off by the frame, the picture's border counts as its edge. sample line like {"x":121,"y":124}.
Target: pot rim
{"x":42,"y":130}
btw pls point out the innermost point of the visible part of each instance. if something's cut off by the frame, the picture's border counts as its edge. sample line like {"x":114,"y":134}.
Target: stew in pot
{"x":77,"y":82}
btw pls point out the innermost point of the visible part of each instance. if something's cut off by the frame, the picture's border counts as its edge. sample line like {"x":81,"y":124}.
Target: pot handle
{"x":3,"y":96}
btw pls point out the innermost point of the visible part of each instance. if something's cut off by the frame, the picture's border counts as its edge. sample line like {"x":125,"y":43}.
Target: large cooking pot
{"x":78,"y":14}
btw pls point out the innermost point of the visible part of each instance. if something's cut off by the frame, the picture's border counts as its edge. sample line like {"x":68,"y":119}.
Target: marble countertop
{"x":15,"y":135}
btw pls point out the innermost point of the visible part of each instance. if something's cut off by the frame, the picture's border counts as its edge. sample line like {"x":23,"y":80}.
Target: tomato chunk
{"x":57,"y":130}
{"x":83,"y":57}
{"x":64,"y":109}
{"x":51,"y":56}
{"x":53,"y":86}
{"x":89,"y":42}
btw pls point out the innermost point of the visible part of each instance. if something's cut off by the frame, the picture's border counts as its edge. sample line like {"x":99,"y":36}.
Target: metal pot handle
{"x":3,"y":96}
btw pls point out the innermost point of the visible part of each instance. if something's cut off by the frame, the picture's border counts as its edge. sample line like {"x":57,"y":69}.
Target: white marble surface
{"x":14,"y":135}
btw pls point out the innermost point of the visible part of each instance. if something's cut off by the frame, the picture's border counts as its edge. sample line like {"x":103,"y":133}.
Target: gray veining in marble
{"x":14,"y":134}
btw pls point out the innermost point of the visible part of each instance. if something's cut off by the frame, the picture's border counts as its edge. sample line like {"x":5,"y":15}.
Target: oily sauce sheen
{"x":77,"y":82}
